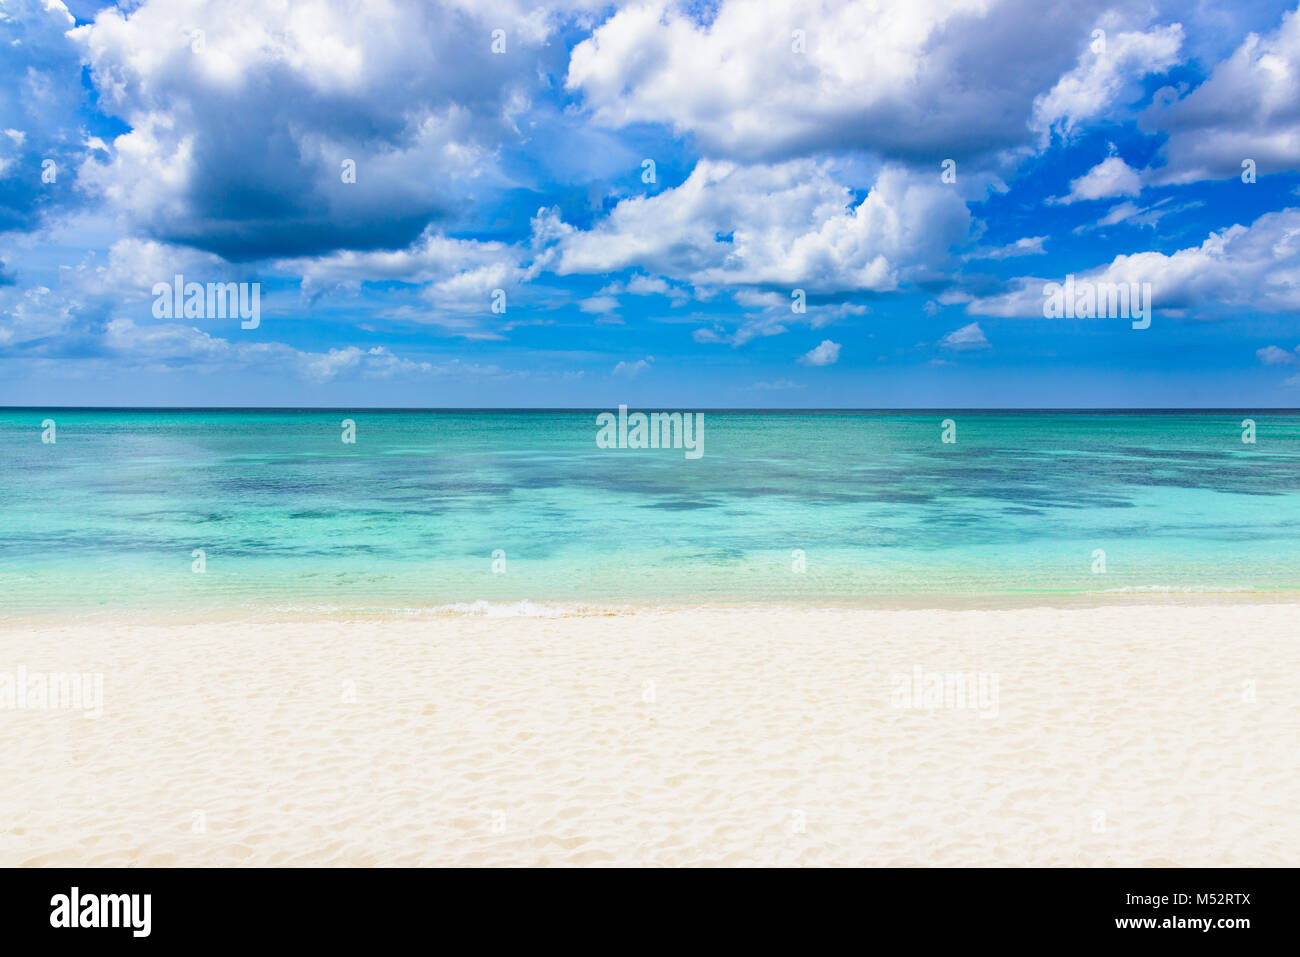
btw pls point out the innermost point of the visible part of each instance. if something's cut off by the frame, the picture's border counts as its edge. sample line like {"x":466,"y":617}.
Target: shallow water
{"x":289,"y":517}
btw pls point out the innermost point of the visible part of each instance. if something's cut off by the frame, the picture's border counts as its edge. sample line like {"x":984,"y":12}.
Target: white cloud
{"x":827,"y":353}
{"x":1025,"y":246}
{"x":167,"y":341}
{"x":967,"y":337}
{"x":1255,"y":269}
{"x":1111,"y":177}
{"x":431,"y":259}
{"x":1249,"y":108}
{"x":774,"y":318}
{"x":163,"y":346}
{"x":456,"y":280}
{"x":789,"y":225}
{"x":598,"y":305}
{"x":1274,"y":356}
{"x":238,"y":142}
{"x":376,"y":362}
{"x":1145,"y":216}
{"x":33,"y":314}
{"x":641,"y":285}
{"x":86,"y":295}
{"x":1105,"y":74}
{"x":879,"y":77}
{"x":630,"y":370}
{"x":41,"y":97}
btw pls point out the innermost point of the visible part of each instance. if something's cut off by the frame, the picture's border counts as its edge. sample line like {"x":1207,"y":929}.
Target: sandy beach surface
{"x":1134,"y":734}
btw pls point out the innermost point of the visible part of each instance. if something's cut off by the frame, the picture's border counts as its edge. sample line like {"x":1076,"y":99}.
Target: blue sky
{"x":502,"y":154}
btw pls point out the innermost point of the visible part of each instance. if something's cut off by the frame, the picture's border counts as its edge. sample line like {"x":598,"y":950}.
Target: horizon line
{"x":715,"y":409}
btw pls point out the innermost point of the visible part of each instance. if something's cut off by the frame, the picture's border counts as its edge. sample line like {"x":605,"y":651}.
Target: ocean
{"x":270,"y":511}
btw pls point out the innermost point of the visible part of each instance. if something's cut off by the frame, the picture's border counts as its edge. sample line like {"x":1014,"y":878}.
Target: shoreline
{"x":269,"y":613}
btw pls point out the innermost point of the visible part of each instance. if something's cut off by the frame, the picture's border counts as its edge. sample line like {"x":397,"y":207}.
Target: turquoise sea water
{"x":107,"y":517}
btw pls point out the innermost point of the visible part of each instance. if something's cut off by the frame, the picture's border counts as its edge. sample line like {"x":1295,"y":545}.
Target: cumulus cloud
{"x":1249,"y":108}
{"x":70,"y":317}
{"x":1275,"y":356}
{"x":41,"y":140}
{"x":174,"y":342}
{"x":1254,"y":268}
{"x":376,"y":362}
{"x":908,"y":80}
{"x":241,"y":135}
{"x":104,"y":309}
{"x":1110,"y":178}
{"x":449,"y":283}
{"x":790,"y":224}
{"x":827,"y":353}
{"x":630,"y":370}
{"x":33,"y":315}
{"x":1107,"y":73}
{"x":642,"y":285}
{"x":455,"y":266}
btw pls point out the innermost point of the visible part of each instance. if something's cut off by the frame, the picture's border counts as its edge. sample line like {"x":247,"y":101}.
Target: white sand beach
{"x":1150,"y":735}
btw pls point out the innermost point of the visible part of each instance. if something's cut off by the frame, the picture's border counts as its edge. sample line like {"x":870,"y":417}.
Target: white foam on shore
{"x":1177,"y":589}
{"x":521,"y":609}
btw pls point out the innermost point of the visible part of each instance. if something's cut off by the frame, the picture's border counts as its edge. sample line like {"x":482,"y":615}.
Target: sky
{"x":771,"y":203}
